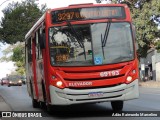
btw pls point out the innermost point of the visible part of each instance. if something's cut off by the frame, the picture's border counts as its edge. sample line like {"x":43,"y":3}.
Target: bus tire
{"x":35,"y":103}
{"x":43,"y":105}
{"x":117,"y":105}
{"x":49,"y":109}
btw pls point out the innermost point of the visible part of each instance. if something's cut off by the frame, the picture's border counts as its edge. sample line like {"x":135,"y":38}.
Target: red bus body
{"x":101,"y":80}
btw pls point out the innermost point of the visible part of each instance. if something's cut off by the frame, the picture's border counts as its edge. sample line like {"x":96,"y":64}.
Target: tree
{"x":19,"y":58}
{"x":146,"y":29}
{"x":18,"y":19}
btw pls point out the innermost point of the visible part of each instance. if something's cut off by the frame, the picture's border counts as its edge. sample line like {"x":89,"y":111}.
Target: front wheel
{"x":117,"y":105}
{"x":46,"y":107}
{"x":49,"y":108}
{"x":35,"y":103}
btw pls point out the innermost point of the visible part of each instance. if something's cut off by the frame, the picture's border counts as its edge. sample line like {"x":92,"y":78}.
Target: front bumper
{"x":15,"y":84}
{"x":78,"y":96}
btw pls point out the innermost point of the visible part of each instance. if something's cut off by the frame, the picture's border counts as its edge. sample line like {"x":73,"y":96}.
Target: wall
{"x":158,"y":71}
{"x":157,"y":66}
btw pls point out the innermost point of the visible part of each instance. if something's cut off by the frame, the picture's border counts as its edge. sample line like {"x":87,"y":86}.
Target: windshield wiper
{"x":104,"y":39}
{"x":75,"y":34}
{"x":77,"y":37}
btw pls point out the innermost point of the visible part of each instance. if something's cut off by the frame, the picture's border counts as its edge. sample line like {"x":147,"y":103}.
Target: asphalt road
{"x":18,"y":99}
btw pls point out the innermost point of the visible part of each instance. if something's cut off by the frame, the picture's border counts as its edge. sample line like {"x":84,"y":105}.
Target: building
{"x":150,"y":66}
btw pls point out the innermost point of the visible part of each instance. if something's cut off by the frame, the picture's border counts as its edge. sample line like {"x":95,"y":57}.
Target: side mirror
{"x":42,"y":41}
{"x":134,"y":36}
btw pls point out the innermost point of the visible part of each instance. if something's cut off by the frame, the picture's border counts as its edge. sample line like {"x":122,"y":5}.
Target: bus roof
{"x":88,"y":5}
{"x":41,"y":19}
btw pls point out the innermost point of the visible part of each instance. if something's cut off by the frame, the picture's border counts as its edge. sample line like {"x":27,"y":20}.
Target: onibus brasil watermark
{"x":22,"y":114}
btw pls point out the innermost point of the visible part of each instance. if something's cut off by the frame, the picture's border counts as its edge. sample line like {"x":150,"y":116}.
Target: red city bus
{"x":83,"y":53}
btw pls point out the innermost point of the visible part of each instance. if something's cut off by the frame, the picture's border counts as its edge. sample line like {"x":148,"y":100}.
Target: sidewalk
{"x":150,"y":84}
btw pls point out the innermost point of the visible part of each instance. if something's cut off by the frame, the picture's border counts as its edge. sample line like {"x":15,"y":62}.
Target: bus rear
{"x":90,"y":55}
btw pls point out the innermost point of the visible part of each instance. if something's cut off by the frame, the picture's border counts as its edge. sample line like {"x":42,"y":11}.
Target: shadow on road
{"x":83,"y":110}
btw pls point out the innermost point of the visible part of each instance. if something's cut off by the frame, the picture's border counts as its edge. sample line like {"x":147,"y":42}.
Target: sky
{"x":8,"y":67}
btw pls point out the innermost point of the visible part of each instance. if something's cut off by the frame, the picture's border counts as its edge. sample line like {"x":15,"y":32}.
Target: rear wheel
{"x":35,"y":103}
{"x":45,"y":105}
{"x":117,"y":105}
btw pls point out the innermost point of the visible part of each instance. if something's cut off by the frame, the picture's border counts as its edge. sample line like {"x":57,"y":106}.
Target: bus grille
{"x":101,"y":78}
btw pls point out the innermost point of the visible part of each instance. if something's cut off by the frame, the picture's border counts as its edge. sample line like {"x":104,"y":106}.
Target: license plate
{"x":95,"y":94}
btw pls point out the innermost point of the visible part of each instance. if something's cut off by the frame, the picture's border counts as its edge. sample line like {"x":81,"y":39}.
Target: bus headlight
{"x":59,"y":84}
{"x":129,"y":79}
{"x":132,"y":76}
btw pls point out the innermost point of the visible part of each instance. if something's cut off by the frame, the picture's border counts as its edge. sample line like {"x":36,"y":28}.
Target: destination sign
{"x":88,"y":13}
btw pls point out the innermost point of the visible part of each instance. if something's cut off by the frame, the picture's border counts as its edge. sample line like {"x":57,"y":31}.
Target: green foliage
{"x":20,"y":67}
{"x":18,"y":54}
{"x":19,"y":58}
{"x":18,"y":19}
{"x":158,"y":46}
{"x":147,"y":31}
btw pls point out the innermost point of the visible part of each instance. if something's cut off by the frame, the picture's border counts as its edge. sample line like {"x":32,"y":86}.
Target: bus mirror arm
{"x":42,"y":41}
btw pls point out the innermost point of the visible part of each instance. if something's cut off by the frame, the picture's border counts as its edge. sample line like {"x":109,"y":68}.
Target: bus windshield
{"x":91,"y":44}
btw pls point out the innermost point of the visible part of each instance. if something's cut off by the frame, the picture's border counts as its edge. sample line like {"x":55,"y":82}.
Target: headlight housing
{"x":131,"y":76}
{"x":57,"y":82}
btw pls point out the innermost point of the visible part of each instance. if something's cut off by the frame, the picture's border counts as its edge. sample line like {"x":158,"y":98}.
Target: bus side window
{"x":38,"y":50}
{"x":29,"y":47}
{"x":42,"y":38}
